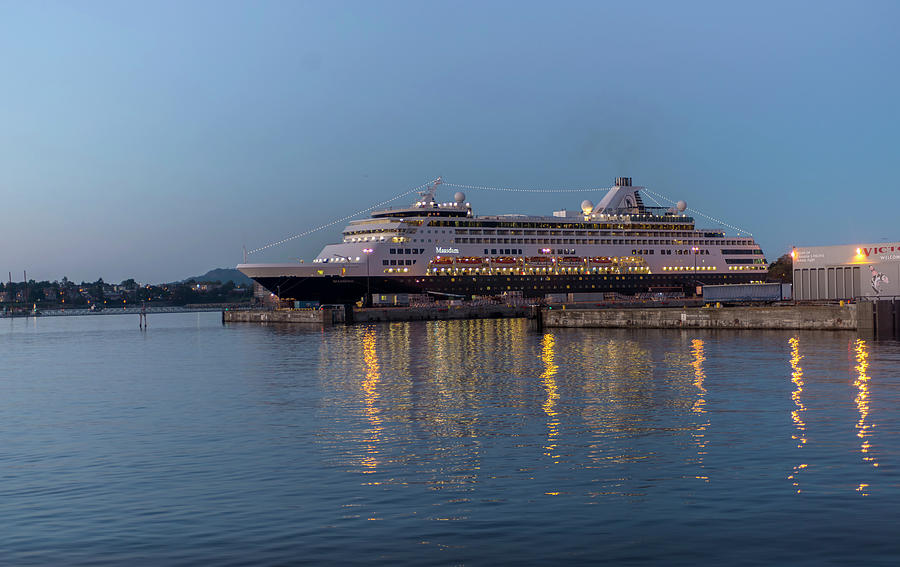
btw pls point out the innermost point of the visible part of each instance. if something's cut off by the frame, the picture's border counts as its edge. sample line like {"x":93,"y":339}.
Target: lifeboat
{"x":439,"y":261}
{"x":571,"y":261}
{"x":470,"y":261}
{"x":504,"y":260}
{"x":539,"y":260}
{"x":601,"y":260}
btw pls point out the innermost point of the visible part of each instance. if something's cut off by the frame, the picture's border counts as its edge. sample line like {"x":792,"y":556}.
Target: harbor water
{"x":445,"y":442}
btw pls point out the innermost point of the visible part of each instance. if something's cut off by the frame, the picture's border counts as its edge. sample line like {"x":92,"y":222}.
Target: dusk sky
{"x":152,"y":140}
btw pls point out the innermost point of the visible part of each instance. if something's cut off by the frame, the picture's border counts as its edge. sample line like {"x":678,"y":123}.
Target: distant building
{"x":846,"y":271}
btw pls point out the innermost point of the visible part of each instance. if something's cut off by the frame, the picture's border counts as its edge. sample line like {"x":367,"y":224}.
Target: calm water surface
{"x":462,"y":442}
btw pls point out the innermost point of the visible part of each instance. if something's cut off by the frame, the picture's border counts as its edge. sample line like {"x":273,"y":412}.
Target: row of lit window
{"x":335,"y":260}
{"x":591,"y":241}
{"x":365,"y":239}
{"x":741,"y":268}
{"x":377,"y":239}
{"x":370,"y":230}
{"x":623,"y":269}
{"x":478,"y":271}
{"x":561,"y":261}
{"x":457,"y":240}
{"x":689,"y":268}
{"x":492,"y":224}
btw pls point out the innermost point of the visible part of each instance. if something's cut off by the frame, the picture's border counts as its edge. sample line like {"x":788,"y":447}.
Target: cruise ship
{"x":442,"y":248}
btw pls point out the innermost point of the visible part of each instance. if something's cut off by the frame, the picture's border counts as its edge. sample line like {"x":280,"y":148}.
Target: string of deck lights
{"x":643,"y":189}
{"x":516,"y":190}
{"x":342,"y":219}
{"x":695,"y":211}
{"x":649,"y":193}
{"x":658,"y":204}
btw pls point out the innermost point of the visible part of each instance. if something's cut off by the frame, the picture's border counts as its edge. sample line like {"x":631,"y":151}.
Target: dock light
{"x":368,"y":299}
{"x":794,"y":253}
{"x":859,"y":251}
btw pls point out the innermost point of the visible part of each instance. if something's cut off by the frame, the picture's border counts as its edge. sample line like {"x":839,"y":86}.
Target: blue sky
{"x":153,"y":140}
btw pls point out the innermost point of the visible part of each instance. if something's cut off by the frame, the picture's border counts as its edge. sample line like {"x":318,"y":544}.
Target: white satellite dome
{"x":459,"y":197}
{"x":681,"y":206}
{"x":587,"y":206}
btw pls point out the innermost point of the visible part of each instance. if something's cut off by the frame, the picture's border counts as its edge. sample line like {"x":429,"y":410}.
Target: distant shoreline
{"x":121,"y":311}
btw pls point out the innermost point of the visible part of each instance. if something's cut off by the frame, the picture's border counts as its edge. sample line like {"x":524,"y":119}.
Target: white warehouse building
{"x":847,"y":271}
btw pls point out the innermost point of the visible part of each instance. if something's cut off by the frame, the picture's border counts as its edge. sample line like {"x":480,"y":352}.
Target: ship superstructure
{"x":619,"y":244}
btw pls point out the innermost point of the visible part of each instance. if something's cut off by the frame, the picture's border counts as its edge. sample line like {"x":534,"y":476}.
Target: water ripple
{"x":463,"y":442}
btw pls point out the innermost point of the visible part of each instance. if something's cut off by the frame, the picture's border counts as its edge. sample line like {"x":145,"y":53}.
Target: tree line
{"x":63,"y":293}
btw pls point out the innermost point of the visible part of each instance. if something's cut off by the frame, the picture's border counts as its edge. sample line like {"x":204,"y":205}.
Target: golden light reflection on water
{"x":863,"y":426}
{"x":429,"y":381}
{"x":370,"y":392}
{"x":616,"y":397}
{"x":454,"y":357}
{"x":548,"y":378}
{"x":428,"y":403}
{"x":698,"y":358}
{"x":398,"y":348}
{"x":799,"y":408}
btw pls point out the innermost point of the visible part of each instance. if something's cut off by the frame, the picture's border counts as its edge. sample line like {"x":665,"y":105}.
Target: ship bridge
{"x":427,"y":206}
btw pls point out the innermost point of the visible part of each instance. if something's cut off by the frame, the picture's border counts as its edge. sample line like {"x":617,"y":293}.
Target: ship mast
{"x":427,"y":196}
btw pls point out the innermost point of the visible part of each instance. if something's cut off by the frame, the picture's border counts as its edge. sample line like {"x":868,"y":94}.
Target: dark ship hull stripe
{"x":337,"y":289}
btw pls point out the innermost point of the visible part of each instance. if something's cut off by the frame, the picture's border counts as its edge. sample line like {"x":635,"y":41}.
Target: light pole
{"x":695,"y":250}
{"x":367,"y":252}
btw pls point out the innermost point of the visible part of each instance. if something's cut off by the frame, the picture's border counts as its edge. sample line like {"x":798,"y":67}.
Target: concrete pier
{"x":808,"y":317}
{"x":881,"y":319}
{"x":439,"y":313}
{"x":308,"y":316}
{"x":370,"y":315}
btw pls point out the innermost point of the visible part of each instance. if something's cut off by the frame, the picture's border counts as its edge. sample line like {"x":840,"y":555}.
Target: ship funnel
{"x":623,"y":182}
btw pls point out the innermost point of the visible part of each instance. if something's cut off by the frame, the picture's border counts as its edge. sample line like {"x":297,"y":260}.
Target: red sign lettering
{"x":878,"y":250}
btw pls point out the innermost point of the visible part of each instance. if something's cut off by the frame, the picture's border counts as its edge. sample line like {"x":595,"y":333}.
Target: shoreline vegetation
{"x":99,"y":295}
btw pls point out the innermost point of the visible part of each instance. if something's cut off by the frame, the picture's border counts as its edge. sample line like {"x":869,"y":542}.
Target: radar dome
{"x":587,"y":206}
{"x":681,"y":206}
{"x":460,"y":197}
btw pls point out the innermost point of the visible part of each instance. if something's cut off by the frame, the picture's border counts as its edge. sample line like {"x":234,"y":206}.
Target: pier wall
{"x":371,"y":315}
{"x":312,"y":316}
{"x":862,"y":317}
{"x":812,"y":317}
{"x":439,"y":313}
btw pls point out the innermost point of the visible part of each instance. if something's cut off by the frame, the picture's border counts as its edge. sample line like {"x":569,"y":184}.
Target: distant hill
{"x":223,"y":275}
